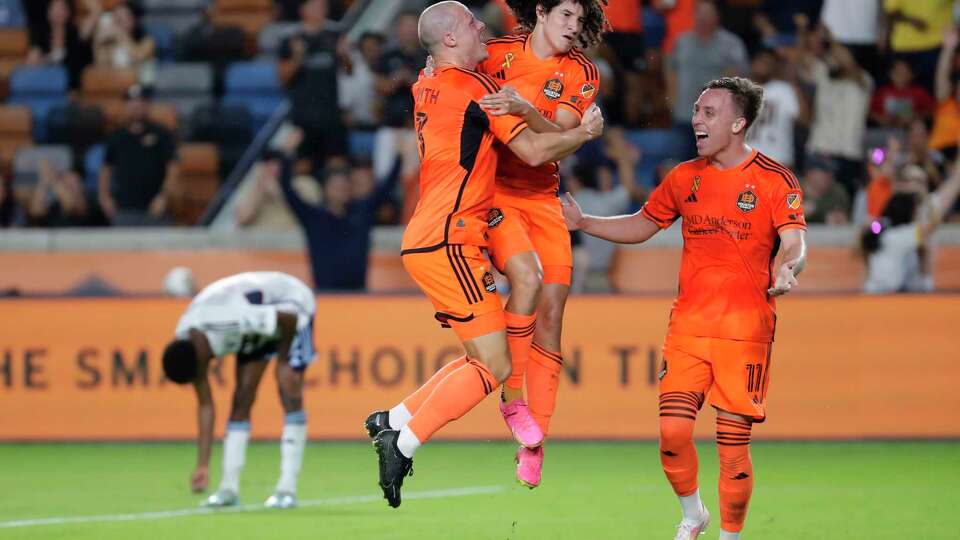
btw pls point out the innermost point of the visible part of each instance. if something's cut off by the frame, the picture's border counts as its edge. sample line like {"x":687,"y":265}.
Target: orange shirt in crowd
{"x":731,"y":224}
{"x":625,"y":16}
{"x":679,"y":19}
{"x":946,"y":125}
{"x":457,"y":160}
{"x":569,"y":81}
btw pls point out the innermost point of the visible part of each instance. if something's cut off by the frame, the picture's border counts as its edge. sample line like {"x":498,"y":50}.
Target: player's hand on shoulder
{"x":785,"y":280}
{"x":506,"y":101}
{"x":199,"y":479}
{"x":592,"y":122}
{"x":572,"y":213}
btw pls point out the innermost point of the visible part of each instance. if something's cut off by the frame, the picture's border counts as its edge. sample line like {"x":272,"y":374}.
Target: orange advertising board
{"x":843,"y":367}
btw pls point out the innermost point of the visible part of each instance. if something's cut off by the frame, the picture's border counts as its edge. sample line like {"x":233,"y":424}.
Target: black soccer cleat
{"x":377,"y":422}
{"x":394,"y":466}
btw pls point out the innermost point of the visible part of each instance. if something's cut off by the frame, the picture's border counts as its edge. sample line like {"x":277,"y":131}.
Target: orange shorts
{"x":519,"y":224}
{"x":457,"y":279}
{"x":735,"y":373}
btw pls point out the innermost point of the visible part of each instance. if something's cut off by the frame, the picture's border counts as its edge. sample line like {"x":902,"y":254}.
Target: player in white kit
{"x":255,"y":315}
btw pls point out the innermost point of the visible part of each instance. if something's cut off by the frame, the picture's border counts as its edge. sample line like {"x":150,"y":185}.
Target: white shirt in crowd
{"x":852,"y":22}
{"x":772,"y":132}
{"x":839,"y":114}
{"x":896,"y":265}
{"x":239,"y":313}
{"x":357,"y":92}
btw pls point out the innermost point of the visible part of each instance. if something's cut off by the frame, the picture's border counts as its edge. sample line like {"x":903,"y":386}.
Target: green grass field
{"x":591,"y":490}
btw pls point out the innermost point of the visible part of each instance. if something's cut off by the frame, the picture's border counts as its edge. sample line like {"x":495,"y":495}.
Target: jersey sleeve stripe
{"x":785,"y":177}
{"x":785,"y":172}
{"x":518,"y":127}
{"x":506,"y":39}
{"x":573,"y":108}
{"x":792,"y":224}
{"x":483,"y":82}
{"x":589,"y":68}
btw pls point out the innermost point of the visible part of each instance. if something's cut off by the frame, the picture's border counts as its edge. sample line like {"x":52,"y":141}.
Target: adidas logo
{"x":500,"y":75}
{"x":692,"y":198}
{"x":741,"y":476}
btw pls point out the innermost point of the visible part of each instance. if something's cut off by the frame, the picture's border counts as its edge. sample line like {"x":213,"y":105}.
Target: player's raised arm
{"x":624,"y":229}
{"x":794,"y":258}
{"x":538,"y":148}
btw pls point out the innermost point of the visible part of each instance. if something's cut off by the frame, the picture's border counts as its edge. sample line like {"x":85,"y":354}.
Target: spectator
{"x":58,"y":41}
{"x":895,"y":246}
{"x":261,"y":204}
{"x":498,"y":17}
{"x":916,"y":32}
{"x":397,"y":70}
{"x":946,"y":118}
{"x":705,"y":53}
{"x":853,"y":23}
{"x":338,"y":230}
{"x":783,"y":105}
{"x":58,"y":199}
{"x":840,"y":106}
{"x":596,"y":187}
{"x":918,"y":153}
{"x":139,"y":167}
{"x":310,"y":60}
{"x":357,"y":88}
{"x":8,"y":203}
{"x":898,"y":103}
{"x":824,"y":200}
{"x":678,"y":16}
{"x":119,"y":41}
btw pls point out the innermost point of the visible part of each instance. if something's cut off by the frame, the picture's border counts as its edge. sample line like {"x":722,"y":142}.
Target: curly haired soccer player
{"x":549,"y":82}
{"x":739,"y":209}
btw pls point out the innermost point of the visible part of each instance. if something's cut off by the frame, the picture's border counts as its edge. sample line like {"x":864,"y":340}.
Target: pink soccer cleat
{"x":529,"y":466}
{"x":689,"y":530}
{"x":521,"y":423}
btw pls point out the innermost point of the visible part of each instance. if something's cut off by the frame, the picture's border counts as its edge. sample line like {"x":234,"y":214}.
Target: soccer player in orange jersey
{"x":740,"y":209}
{"x":549,"y":83}
{"x":442,"y":244}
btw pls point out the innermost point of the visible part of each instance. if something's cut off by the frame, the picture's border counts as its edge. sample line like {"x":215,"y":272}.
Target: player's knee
{"x":291,"y":403}
{"x":526,"y":280}
{"x":240,"y":409}
{"x":675,"y":432}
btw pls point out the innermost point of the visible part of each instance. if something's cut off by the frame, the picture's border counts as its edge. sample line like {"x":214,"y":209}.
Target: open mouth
{"x":700,"y":135}
{"x":570,"y":38}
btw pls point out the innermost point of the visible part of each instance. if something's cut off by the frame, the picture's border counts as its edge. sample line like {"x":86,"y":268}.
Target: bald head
{"x":437,"y":20}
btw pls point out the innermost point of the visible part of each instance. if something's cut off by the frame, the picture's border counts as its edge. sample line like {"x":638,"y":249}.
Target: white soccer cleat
{"x":281,"y":500}
{"x":222,"y":499}
{"x":690,"y":530}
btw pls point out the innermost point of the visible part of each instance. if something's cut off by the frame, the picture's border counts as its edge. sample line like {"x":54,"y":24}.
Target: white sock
{"x":692,"y":506}
{"x":727,"y":535}
{"x":292,"y":443}
{"x":234,"y":454}
{"x":399,"y":416}
{"x":407,"y":442}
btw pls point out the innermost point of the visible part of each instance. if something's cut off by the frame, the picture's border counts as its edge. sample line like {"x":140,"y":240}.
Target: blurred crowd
{"x":862,"y":101}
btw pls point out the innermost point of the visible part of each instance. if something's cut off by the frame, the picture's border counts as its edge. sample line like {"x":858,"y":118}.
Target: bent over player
{"x":549,"y":83}
{"x":257,"y":316}
{"x":739,"y":209}
{"x":442,"y":244}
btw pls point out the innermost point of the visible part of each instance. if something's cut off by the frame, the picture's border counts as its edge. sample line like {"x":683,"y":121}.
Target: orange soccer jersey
{"x":457,"y":160}
{"x":731,"y":224}
{"x":570,"y":81}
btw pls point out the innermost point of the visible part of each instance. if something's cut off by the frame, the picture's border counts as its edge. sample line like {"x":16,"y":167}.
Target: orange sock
{"x":456,"y":394}
{"x":678,"y":455}
{"x":415,"y":400}
{"x":543,"y":381}
{"x":736,"y":472}
{"x":519,"y":337}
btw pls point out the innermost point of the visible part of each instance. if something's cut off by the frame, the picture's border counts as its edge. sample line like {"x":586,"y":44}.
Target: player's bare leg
{"x":525,"y":274}
{"x":248,"y":375}
{"x":294,"y":438}
{"x":543,"y":375}
{"x":736,"y":472}
{"x":486,"y":367}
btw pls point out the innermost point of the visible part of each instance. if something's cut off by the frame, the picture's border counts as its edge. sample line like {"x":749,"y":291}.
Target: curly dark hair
{"x":594,"y":20}
{"x":747,"y":95}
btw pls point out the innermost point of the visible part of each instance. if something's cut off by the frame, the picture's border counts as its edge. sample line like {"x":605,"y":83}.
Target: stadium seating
{"x":11,"y":14}
{"x":657,"y":145}
{"x":105,"y":87}
{"x":15,"y":130}
{"x":92,"y":162}
{"x":40,"y":88}
{"x":196,"y":184}
{"x":229,"y":126}
{"x":360,"y":142}
{"x":77,"y":125}
{"x":256,"y":85}
{"x":163,"y":39}
{"x":654,"y":27}
{"x":186,"y":85}
{"x":26,"y":162}
{"x":268,"y":43}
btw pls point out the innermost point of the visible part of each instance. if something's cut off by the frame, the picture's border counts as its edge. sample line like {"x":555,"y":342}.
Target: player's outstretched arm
{"x":538,"y":148}
{"x":205,"y":419}
{"x":626,"y":229}
{"x":793,"y":260}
